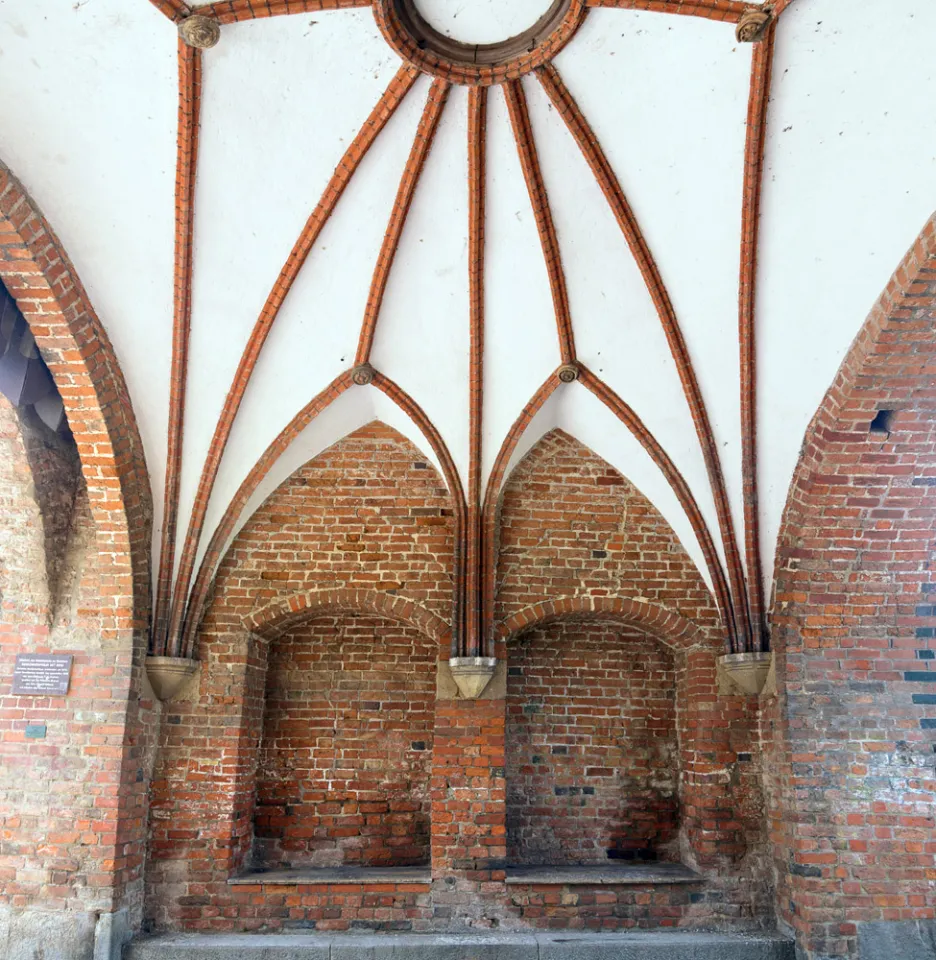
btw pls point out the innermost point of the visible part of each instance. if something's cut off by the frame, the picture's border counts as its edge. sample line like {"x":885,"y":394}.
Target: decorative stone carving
{"x":167,"y":674}
{"x":472,"y":674}
{"x":201,"y":32}
{"x":743,"y":673}
{"x":752,"y":26}
{"x":568,"y":372}
{"x":363,"y":375}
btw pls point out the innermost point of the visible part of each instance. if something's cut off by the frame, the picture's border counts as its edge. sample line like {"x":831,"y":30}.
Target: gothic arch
{"x":852,"y":620}
{"x":575,"y":534}
{"x":39,"y":276}
{"x":279,"y":617}
{"x":668,"y":627}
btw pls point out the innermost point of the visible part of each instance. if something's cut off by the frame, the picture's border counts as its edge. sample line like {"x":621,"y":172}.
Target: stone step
{"x":644,"y":945}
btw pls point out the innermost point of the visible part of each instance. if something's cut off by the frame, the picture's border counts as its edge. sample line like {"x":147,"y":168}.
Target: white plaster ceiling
{"x":850,"y":167}
{"x":850,"y":182}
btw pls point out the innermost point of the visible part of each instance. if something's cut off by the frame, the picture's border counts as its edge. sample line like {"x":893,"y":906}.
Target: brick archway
{"x":850,"y":734}
{"x":39,"y":276}
{"x":110,"y":779}
{"x":276,"y":618}
{"x":668,"y":627}
{"x":718,"y":817}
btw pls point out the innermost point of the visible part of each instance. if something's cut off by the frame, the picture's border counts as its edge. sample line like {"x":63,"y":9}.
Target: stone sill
{"x":603,"y":874}
{"x":333,"y":876}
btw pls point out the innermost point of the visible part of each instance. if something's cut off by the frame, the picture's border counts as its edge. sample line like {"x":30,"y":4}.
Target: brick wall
{"x":469,"y":813}
{"x":571,"y":526}
{"x":93,"y":759}
{"x":346,"y":753}
{"x":592,"y":756}
{"x":365,"y":529}
{"x":306,"y":589}
{"x":371,"y":512}
{"x":23,"y":581}
{"x":53,"y":471}
{"x":852,"y":735}
{"x":59,"y":791}
{"x":578,"y":542}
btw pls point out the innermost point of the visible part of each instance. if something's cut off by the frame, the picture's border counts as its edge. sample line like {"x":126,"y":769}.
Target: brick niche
{"x":592,"y":753}
{"x":346,"y":752}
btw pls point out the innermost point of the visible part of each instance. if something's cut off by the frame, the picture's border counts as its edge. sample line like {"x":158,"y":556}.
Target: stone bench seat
{"x":333,"y":876}
{"x":613,"y":873}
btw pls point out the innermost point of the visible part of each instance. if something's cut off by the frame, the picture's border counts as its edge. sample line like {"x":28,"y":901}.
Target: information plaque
{"x":42,"y":674}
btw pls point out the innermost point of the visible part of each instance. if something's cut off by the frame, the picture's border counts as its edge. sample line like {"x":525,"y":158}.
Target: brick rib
{"x":186,"y":165}
{"x":526,"y":148}
{"x":385,"y":108}
{"x":231,"y":11}
{"x":412,"y":409}
{"x":588,"y":143}
{"x":477,"y":140}
{"x":239,"y":501}
{"x":750,"y":213}
{"x":425,"y":132}
{"x":728,"y":10}
{"x":175,"y":10}
{"x":489,"y":509}
{"x":629,"y":418}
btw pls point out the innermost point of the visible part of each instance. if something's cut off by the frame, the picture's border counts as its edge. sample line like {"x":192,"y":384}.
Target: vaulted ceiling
{"x":691,"y":226}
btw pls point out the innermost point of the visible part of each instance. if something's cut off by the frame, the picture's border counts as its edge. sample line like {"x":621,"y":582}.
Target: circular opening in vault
{"x":416,"y":30}
{"x":482,"y":21}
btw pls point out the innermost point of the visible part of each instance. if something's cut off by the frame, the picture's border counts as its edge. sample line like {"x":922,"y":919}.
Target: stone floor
{"x":663,"y":945}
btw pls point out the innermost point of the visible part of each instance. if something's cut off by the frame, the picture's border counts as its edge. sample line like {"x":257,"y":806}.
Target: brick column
{"x":469,"y":811}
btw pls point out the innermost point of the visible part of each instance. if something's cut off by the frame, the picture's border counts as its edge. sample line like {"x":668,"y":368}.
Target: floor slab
{"x":645,"y":945}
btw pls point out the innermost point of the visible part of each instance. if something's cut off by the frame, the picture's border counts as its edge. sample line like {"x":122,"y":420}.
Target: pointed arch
{"x":41,"y":279}
{"x":852,"y":620}
{"x":666,"y":625}
{"x":368,"y":512}
{"x":39,"y":276}
{"x":573,"y":530}
{"x":234,"y":514}
{"x":277,"y":618}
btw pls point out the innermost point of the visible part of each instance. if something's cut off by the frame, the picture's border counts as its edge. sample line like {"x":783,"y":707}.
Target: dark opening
{"x":882,"y":422}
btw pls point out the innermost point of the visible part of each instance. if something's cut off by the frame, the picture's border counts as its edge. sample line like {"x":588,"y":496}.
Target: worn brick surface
{"x":59,"y":845}
{"x":572,"y":526}
{"x":578,"y":544}
{"x":74,"y":807}
{"x":364,"y":531}
{"x":852,"y":786}
{"x":346,"y":753}
{"x":591,"y":745}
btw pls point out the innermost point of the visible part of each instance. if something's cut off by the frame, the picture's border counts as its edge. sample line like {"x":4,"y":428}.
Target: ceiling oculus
{"x":425,"y":46}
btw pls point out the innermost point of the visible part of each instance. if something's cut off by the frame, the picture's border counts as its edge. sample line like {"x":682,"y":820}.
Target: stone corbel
{"x":167,"y":675}
{"x":472,"y":678}
{"x":743,"y":674}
